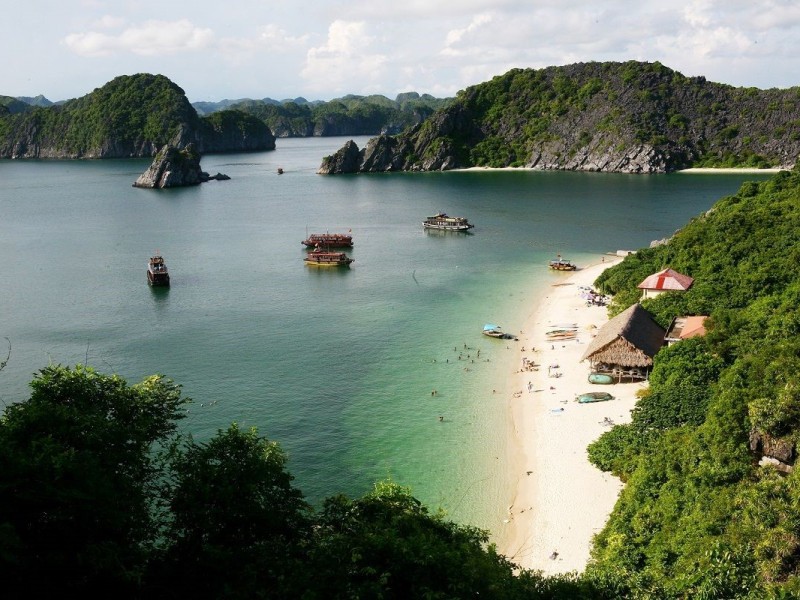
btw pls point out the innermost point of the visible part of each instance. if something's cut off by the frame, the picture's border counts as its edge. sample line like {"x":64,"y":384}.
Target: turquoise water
{"x":338,"y":366}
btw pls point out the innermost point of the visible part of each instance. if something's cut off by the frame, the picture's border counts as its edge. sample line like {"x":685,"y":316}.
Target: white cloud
{"x":151,"y":38}
{"x":277,"y":39}
{"x":323,"y":48}
{"x":454,"y":36}
{"x":345,"y":59}
{"x":109,"y":22}
{"x":269,"y":40}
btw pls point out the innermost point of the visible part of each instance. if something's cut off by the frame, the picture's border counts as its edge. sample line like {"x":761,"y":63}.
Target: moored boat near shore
{"x":329,"y":240}
{"x":496,"y":331}
{"x":590,"y":397}
{"x":562,"y":264}
{"x":601,"y":378}
{"x":446,"y":223}
{"x":157,"y":273}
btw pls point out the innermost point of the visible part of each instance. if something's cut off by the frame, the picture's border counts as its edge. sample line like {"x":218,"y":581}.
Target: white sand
{"x":711,"y":170}
{"x":561,"y":499}
{"x":746,"y":170}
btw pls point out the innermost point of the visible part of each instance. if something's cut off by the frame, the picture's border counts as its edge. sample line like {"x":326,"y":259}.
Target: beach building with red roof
{"x":683,"y":328}
{"x":667,"y":280}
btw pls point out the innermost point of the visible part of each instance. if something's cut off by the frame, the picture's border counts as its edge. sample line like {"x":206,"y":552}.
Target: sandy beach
{"x":561,"y":499}
{"x":709,"y":170}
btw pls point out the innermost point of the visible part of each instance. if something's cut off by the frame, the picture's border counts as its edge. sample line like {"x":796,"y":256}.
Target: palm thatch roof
{"x":631,"y":339}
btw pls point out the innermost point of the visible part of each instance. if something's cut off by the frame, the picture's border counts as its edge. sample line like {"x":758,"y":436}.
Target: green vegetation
{"x":129,"y":116}
{"x":698,"y":517}
{"x":578,"y":114}
{"x":129,"y":113}
{"x":99,"y":489}
{"x":350,"y":115}
{"x":100,"y":492}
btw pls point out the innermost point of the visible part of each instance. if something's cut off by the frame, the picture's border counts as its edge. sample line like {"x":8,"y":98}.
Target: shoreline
{"x":709,"y":170}
{"x":561,"y":501}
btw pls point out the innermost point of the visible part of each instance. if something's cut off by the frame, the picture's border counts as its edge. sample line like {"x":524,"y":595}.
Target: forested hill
{"x":630,"y":117}
{"x":349,"y":115}
{"x":131,"y":116}
{"x":711,"y":508}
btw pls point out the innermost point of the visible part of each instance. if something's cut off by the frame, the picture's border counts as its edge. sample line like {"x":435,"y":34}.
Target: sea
{"x":376,"y":372}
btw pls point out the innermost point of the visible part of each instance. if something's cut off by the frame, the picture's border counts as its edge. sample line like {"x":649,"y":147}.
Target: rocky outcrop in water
{"x":175,"y":167}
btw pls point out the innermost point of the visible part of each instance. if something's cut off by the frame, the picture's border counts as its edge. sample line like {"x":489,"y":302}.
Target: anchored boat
{"x":446,"y":223}
{"x":326,"y":258}
{"x":562,"y":264}
{"x":601,"y":378}
{"x":594,"y":397}
{"x":329,"y":240}
{"x":157,"y":273}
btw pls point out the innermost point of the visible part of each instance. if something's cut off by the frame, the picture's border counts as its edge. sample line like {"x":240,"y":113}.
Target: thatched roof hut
{"x":629,"y":341}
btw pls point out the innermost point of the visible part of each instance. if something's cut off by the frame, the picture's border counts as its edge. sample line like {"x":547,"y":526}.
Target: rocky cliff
{"x":175,"y":167}
{"x":623,"y":117}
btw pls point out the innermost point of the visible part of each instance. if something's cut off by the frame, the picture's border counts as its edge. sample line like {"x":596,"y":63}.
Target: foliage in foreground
{"x":100,"y":493}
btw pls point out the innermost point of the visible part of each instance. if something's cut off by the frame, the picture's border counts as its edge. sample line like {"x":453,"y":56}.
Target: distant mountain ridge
{"x":131,"y":116}
{"x":631,"y":117}
{"x":348,"y":115}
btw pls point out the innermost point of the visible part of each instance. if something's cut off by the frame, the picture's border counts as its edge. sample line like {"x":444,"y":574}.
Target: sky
{"x":320,"y":50}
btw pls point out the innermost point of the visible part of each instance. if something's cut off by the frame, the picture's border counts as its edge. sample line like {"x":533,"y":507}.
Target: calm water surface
{"x":338,"y":366}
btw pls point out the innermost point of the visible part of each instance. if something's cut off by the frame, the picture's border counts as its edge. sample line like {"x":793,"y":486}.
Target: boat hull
{"x":600,"y":378}
{"x":328,"y":259}
{"x":447,"y":227}
{"x":314,"y":263}
{"x":594,"y":397}
{"x":157,"y":279}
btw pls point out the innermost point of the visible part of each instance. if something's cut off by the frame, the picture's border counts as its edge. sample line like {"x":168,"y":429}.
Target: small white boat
{"x":446,"y":223}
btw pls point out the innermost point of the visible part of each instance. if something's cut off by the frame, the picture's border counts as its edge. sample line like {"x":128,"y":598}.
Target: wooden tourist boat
{"x":562,"y":264}
{"x":157,"y":273}
{"x":329,"y":240}
{"x":326,"y":258}
{"x":443,"y":222}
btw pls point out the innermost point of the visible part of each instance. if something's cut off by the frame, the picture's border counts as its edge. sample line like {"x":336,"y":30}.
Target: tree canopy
{"x":100,"y":493}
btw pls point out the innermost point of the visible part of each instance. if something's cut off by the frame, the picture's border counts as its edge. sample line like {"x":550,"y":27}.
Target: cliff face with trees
{"x":131,"y":116}
{"x":628,"y":117}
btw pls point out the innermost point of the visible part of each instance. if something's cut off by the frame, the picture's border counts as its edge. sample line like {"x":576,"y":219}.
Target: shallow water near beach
{"x":373,"y":372}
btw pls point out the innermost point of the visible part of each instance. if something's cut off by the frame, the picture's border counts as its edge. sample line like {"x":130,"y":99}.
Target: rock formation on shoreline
{"x":175,"y":167}
{"x":630,"y":117}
